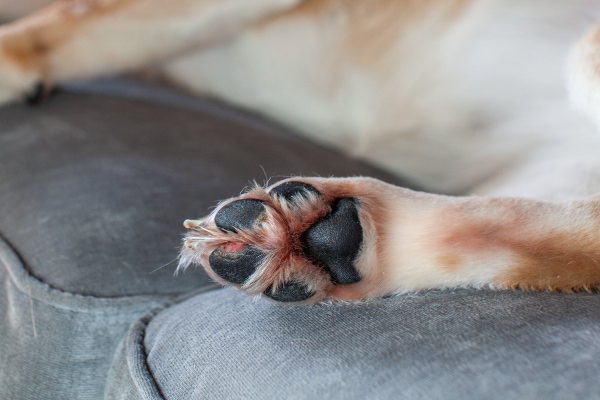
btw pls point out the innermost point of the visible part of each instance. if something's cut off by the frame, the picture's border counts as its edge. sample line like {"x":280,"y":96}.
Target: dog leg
{"x":79,"y":39}
{"x":310,"y":239}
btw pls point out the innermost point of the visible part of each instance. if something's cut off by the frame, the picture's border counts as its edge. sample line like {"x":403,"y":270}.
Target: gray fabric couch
{"x":94,"y":185}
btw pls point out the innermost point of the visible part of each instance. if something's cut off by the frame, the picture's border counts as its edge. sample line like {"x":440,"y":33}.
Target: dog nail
{"x":191,"y":223}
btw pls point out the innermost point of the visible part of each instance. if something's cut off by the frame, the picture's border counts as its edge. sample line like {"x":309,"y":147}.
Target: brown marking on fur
{"x":355,"y":291}
{"x":594,"y":36}
{"x":373,"y":26}
{"x":310,"y":8}
{"x":29,"y":40}
{"x":561,"y":260}
{"x":377,"y":26}
{"x":398,"y":11}
{"x":551,"y":265}
{"x":449,"y":261}
{"x":306,"y":9}
{"x":591,"y":42}
{"x":547,"y":256}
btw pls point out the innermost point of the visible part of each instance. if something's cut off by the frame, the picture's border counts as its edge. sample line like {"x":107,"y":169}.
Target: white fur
{"x":457,"y":109}
{"x":473,"y":105}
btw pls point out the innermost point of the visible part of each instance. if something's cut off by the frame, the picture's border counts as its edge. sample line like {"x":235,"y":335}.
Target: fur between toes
{"x":287,"y":244}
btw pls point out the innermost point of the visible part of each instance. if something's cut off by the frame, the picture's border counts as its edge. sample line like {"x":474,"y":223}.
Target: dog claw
{"x":192,"y":223}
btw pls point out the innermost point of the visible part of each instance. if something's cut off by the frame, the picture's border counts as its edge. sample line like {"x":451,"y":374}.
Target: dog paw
{"x":297,"y":241}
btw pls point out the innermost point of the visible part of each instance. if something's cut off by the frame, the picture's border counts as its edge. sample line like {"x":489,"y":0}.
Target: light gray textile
{"x":463,"y":344}
{"x":53,"y":344}
{"x":129,"y":376}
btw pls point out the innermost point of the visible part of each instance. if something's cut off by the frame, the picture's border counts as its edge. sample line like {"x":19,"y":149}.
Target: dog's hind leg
{"x":79,"y":39}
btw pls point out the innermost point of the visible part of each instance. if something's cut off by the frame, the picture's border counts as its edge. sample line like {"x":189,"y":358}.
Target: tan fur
{"x":375,"y":25}
{"x":29,"y":42}
{"x":547,"y":255}
{"x":369,"y":43}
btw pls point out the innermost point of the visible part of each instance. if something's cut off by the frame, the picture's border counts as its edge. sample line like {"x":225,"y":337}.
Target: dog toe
{"x":292,"y":190}
{"x":291,"y":291}
{"x":235,"y":262}
{"x":240,"y":214}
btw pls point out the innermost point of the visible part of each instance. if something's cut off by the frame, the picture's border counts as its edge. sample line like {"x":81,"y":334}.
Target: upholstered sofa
{"x":94,"y":186}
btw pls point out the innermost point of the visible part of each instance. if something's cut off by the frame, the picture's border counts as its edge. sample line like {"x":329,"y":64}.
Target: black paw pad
{"x":291,"y":190}
{"x":334,"y":242}
{"x":235,"y":263}
{"x":240,"y":214}
{"x":291,"y":291}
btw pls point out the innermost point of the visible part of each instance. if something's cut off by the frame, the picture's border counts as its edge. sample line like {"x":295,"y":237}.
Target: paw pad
{"x":240,"y":214}
{"x":290,"y":292}
{"x":292,"y":190}
{"x":235,"y":264}
{"x":333,"y":243}
{"x":301,"y":242}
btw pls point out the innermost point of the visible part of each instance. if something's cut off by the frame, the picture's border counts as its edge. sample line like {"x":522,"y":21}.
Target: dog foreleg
{"x":309,"y":239}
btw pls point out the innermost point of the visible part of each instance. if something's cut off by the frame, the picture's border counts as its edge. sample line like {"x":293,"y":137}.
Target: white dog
{"x":464,"y":97}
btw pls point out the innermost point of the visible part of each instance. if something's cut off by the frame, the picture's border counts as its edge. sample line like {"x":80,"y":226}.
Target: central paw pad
{"x":290,"y":243}
{"x":334,"y":242}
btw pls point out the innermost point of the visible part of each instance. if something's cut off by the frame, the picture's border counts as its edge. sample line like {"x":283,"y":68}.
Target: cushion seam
{"x":137,"y":352}
{"x":32,"y":287}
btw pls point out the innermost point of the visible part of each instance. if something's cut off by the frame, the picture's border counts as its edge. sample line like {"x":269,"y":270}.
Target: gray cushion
{"x":463,"y":344}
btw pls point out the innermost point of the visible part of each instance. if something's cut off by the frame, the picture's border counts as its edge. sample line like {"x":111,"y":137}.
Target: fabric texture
{"x":463,"y":344}
{"x":54,"y":344}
